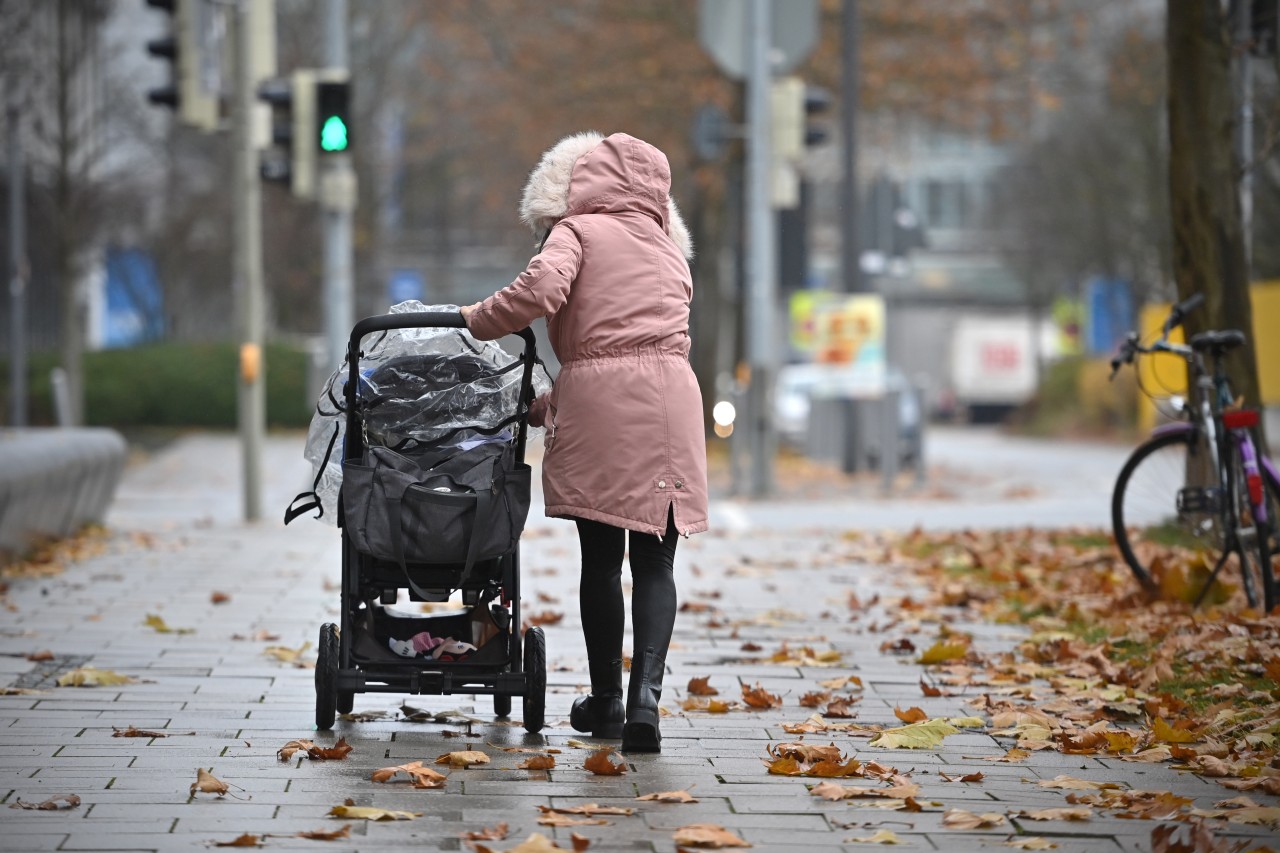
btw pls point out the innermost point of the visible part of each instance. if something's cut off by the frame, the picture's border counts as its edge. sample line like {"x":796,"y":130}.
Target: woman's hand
{"x":466,"y":311}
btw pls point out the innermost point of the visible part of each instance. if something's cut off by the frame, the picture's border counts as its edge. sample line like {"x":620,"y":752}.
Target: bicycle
{"x":1199,"y":488}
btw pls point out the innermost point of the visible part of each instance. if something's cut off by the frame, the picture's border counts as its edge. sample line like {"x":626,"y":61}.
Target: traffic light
{"x":817,"y":102}
{"x":292,"y":159}
{"x":192,"y":67}
{"x":333,"y":115}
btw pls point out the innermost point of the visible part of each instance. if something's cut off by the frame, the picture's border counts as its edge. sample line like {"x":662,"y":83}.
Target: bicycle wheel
{"x":1148,"y":525}
{"x":1258,"y":537}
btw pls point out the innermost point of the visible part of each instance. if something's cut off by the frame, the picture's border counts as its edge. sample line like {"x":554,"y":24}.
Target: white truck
{"x":993,"y":364}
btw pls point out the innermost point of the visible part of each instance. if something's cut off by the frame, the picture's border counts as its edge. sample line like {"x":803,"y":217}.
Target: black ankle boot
{"x":641,"y":734}
{"x":601,"y":713}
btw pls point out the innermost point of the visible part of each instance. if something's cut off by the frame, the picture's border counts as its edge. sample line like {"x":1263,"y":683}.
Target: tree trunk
{"x":1208,"y":241}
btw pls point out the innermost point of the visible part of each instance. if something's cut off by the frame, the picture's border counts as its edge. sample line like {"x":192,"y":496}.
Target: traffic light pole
{"x":337,"y":201}
{"x":17,"y":271}
{"x":249,"y":291}
{"x":761,"y":261}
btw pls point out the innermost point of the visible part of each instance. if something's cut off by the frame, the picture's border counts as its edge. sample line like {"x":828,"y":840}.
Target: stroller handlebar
{"x":419,"y":320}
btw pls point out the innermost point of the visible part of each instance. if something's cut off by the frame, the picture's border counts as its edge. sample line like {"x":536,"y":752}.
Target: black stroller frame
{"x":368,"y":583}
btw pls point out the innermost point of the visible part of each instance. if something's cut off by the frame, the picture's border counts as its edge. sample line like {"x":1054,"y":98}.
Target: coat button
{"x":679,"y":484}
{"x":662,"y":484}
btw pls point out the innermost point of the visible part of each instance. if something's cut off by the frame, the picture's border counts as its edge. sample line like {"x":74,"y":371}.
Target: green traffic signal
{"x":333,"y":134}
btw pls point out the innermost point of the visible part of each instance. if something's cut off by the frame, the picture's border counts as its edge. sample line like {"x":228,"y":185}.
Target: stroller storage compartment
{"x":385,"y":635}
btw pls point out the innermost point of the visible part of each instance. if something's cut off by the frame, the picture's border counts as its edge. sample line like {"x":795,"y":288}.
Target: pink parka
{"x":625,"y":439}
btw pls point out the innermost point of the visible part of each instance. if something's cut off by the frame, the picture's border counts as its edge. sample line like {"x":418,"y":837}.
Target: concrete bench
{"x":55,"y":481}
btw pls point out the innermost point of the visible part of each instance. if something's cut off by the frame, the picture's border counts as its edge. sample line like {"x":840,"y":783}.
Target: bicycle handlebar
{"x":1132,"y":346}
{"x":1181,"y":310}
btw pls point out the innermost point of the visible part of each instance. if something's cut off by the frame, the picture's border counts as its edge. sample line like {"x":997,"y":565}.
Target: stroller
{"x":430,"y":517}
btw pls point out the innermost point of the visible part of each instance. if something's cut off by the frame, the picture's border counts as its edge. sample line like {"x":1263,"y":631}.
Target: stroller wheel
{"x":501,"y":705}
{"x":535,"y":680}
{"x":327,"y":677}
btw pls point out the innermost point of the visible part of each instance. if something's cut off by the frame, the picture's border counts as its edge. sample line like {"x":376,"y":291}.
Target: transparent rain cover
{"x":419,"y":387}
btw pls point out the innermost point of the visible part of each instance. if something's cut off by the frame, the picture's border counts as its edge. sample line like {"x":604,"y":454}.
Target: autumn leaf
{"x":1081,"y":813}
{"x":701,"y":687}
{"x":284,"y":654}
{"x":600,"y":763}
{"x":497,"y":832}
{"x":132,"y":732}
{"x":1031,"y":842}
{"x":553,"y":819}
{"x":1014,"y":754}
{"x":840,"y":709}
{"x":588,"y":809}
{"x":371,"y":813}
{"x":158,"y":624}
{"x":40,"y":656}
{"x":419,"y":776}
{"x":535,"y":843}
{"x":537,"y":762}
{"x":944,"y":651}
{"x":668,"y":797}
{"x":207,"y":783}
{"x":968,"y":777}
{"x":90,"y":677}
{"x":708,"y":835}
{"x":580,"y":842}
{"x":880,"y":836}
{"x":961,"y":819}
{"x":58,"y":803}
{"x":929,"y":690}
{"x":337,"y":752}
{"x":322,"y":835}
{"x":815,"y":698}
{"x":758,"y":697}
{"x":1071,"y":783}
{"x":245,"y":840}
{"x":463,"y":758}
{"x":925,"y":735}
{"x":1166,"y":733}
{"x":910,"y":715}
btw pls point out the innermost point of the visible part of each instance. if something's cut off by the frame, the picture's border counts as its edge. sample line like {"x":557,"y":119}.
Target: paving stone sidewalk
{"x":228,"y":706}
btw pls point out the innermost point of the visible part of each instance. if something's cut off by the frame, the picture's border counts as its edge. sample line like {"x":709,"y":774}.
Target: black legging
{"x":653,"y":589}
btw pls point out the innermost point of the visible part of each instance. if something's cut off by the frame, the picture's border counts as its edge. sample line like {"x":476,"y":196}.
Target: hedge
{"x":169,"y":384}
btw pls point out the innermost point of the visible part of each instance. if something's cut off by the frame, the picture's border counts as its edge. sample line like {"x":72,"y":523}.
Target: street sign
{"x":722,"y":29}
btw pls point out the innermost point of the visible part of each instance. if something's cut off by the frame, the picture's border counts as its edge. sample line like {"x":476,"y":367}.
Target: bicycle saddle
{"x":1218,"y":341}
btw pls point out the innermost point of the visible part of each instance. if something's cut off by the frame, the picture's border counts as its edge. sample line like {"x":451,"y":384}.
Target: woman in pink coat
{"x":625,"y":446}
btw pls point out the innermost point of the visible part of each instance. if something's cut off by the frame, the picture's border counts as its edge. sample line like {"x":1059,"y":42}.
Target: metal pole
{"x":761,"y":262}
{"x":337,"y":201}
{"x":849,"y":254}
{"x":1244,"y":85}
{"x":18,"y":272}
{"x":251,"y":388}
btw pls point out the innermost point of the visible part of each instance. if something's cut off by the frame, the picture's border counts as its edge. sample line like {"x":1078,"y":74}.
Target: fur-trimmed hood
{"x":590,"y":173}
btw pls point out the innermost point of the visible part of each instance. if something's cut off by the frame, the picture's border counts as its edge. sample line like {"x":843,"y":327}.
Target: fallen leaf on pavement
{"x":944,"y":651}
{"x":216,"y":597}
{"x":880,"y":836}
{"x":669,"y":797}
{"x":961,"y":819}
{"x":601,"y":764}
{"x":321,"y":835}
{"x":284,"y":654}
{"x":1014,"y":754}
{"x":537,"y":762}
{"x":245,"y":840}
{"x":968,"y":777}
{"x":158,"y":624}
{"x":1080,"y":813}
{"x":463,"y":758}
{"x":1071,"y":783}
{"x":371,"y":813}
{"x":90,"y":677}
{"x":701,"y":687}
{"x":419,"y":776}
{"x":707,"y":835}
{"x":207,"y":783}
{"x":40,"y":656}
{"x":580,"y":842}
{"x":497,"y":832}
{"x":588,"y":809}
{"x":535,"y":843}
{"x":910,"y":715}
{"x":925,"y":735}
{"x":1032,"y":842}
{"x":132,"y":732}
{"x":336,"y":752}
{"x":553,"y":819}
{"x":850,"y":682}
{"x":58,"y":803}
{"x":758,"y":697}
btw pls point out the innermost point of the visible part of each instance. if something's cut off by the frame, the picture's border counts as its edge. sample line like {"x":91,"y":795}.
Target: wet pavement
{"x":784,"y":579}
